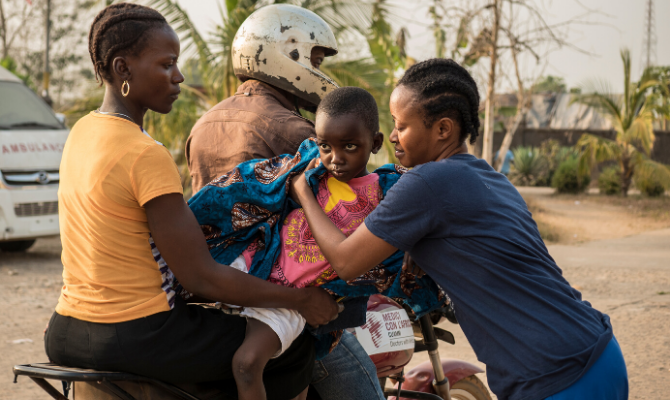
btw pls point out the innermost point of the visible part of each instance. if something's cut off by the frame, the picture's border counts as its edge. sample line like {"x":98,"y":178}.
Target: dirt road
{"x":617,"y":253}
{"x":30,"y":284}
{"x":624,"y":270}
{"x":628,"y":279}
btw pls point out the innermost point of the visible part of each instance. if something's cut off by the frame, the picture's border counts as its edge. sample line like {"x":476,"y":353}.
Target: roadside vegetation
{"x":632,"y":116}
{"x":568,"y":219}
{"x":373,"y":55}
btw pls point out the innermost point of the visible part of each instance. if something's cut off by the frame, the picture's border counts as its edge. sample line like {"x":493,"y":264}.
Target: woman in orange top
{"x":123,"y":220}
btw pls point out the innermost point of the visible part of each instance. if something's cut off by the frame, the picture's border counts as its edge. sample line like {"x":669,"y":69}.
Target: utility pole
{"x":47,"y":70}
{"x":489,"y":120}
{"x":649,"y":45}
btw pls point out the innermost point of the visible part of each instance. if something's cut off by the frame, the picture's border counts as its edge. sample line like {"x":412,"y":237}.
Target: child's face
{"x":414,"y":143}
{"x":345,"y":145}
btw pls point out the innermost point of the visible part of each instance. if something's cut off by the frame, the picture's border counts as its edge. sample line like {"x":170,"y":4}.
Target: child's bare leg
{"x":258,"y":347}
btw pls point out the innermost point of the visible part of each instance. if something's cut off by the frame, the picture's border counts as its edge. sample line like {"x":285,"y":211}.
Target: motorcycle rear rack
{"x":40,"y":372}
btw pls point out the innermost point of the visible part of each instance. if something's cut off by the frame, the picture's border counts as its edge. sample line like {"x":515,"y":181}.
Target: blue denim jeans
{"x":347,"y":373}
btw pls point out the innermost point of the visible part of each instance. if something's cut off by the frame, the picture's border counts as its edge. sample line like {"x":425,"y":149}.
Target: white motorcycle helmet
{"x":274,"y":45}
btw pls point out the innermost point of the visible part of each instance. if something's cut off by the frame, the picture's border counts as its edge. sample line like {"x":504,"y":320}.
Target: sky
{"x":614,"y":25}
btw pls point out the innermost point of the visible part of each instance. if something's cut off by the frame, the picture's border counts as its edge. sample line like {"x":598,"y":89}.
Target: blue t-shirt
{"x":468,"y":228}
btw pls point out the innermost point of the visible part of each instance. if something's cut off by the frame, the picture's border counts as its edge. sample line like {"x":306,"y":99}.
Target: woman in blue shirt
{"x":468,"y":228}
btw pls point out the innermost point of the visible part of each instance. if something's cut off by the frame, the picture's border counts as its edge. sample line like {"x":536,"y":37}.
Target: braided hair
{"x":445,"y":90}
{"x":120,"y":29}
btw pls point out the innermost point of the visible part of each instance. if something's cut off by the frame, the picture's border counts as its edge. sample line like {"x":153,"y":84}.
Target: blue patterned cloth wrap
{"x":252,"y":201}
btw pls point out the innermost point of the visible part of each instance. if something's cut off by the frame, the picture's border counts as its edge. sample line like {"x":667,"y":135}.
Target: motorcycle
{"x":389,"y":337}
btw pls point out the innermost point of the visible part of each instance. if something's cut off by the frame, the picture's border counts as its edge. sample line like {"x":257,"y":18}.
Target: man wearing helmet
{"x":277,"y":53}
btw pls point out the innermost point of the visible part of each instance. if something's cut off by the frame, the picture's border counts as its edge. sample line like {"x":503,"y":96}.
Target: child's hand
{"x":299,"y":186}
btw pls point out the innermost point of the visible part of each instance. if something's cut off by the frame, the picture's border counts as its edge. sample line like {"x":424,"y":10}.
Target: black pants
{"x":188,"y":344}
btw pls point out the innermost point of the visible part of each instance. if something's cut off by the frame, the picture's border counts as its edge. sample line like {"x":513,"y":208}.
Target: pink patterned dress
{"x":300,"y":262}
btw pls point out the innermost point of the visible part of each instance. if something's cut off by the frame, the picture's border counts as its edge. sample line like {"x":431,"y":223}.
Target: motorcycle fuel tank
{"x":387,"y":336}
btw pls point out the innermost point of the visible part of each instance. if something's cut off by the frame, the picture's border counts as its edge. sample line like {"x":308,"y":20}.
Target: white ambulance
{"x":31,"y":144}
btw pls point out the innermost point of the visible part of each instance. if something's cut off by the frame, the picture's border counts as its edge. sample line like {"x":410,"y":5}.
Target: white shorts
{"x":287,"y":324}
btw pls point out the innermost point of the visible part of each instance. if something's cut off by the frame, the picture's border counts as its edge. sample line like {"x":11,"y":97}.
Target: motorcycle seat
{"x":103,"y":385}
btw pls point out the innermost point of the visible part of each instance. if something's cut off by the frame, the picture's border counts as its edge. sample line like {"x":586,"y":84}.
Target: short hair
{"x":351,"y":100}
{"x":445,"y":90}
{"x":120,"y":29}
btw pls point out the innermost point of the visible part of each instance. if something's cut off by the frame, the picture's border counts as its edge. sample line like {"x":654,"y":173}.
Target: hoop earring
{"x":125,"y":89}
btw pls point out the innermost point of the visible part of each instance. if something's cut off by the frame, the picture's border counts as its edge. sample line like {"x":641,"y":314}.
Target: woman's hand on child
{"x":299,"y":186}
{"x":318,"y":308}
{"x":409,"y":266}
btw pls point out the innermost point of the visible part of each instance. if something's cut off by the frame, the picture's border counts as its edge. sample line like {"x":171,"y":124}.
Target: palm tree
{"x":361,"y":27}
{"x":213,"y":56}
{"x":661,"y":93}
{"x":632,"y":116}
{"x":211,"y":64}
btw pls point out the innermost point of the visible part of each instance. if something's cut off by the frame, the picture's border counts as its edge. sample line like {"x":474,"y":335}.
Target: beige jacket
{"x":257,"y":122}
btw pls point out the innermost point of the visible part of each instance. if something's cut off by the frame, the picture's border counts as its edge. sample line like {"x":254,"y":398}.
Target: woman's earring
{"x":125,"y":88}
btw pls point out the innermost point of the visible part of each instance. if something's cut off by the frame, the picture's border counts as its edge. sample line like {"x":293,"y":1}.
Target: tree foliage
{"x":569,"y":179}
{"x":632,"y":116}
{"x":529,"y":166}
{"x":511,"y":31}
{"x":209,"y":67}
{"x":22,"y":31}
{"x":549,"y":84}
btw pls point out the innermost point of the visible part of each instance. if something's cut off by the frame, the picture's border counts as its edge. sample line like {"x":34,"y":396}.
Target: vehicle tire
{"x":16,"y":246}
{"x":469,"y":388}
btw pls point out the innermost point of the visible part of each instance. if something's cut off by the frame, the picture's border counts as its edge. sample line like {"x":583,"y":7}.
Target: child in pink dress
{"x":347,"y":132}
{"x":301,"y":262}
